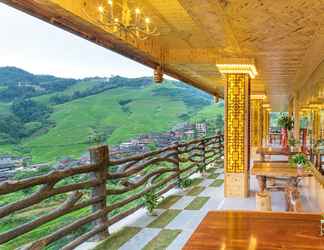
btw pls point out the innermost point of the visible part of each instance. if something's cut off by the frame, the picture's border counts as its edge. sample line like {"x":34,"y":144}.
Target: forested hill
{"x":47,"y":116}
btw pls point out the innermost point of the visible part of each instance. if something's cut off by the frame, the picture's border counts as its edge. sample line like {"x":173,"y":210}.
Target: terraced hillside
{"x":66,"y":111}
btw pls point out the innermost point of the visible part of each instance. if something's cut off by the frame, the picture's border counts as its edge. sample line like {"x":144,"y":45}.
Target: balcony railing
{"x":99,"y":194}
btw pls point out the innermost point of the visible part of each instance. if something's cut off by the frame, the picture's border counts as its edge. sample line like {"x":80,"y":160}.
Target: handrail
{"x":103,"y":192}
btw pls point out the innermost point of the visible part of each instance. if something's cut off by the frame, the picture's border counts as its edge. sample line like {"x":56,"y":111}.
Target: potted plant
{"x":300,"y":160}
{"x":96,"y":139}
{"x":184,"y":183}
{"x":292,"y":142}
{"x":286,"y":124}
{"x":202,"y":170}
{"x":151,"y":202}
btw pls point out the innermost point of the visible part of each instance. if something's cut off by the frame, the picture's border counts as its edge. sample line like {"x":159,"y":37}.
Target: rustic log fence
{"x":110,"y":189}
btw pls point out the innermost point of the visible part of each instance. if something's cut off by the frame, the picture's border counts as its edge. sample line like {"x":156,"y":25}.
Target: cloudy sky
{"x":41,"y":48}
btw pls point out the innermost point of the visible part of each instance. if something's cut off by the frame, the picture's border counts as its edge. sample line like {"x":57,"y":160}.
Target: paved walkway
{"x":182,"y":211}
{"x":185,"y":213}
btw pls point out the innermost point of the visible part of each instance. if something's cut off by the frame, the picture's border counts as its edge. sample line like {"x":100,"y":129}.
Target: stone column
{"x":237,"y":135}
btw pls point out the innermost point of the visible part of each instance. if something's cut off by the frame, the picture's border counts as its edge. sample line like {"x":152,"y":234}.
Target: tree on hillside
{"x":11,"y":129}
{"x":30,"y":111}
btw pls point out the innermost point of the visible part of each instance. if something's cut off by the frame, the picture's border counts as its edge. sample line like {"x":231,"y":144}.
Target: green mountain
{"x":55,"y":118}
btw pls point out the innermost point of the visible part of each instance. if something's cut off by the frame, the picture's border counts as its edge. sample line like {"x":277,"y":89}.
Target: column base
{"x":236,"y":185}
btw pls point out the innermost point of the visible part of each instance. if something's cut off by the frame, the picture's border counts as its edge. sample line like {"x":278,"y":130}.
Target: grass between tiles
{"x":213,"y":176}
{"x":217,"y":183}
{"x":211,"y":170}
{"x":197,"y":203}
{"x":169,"y":201}
{"x":195,"y":191}
{"x":116,"y":240}
{"x":162,"y":240}
{"x":196,"y":181}
{"x":164,"y":219}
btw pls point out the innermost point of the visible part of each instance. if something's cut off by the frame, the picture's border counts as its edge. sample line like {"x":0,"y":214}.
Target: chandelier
{"x":117,"y":17}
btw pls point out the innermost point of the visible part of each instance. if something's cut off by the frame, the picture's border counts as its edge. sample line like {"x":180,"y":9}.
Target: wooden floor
{"x":229,"y":230}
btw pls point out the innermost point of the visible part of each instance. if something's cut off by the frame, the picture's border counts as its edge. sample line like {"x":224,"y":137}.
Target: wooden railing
{"x":103,"y":192}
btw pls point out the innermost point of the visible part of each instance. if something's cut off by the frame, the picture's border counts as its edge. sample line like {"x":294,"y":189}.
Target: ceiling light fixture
{"x":117,"y":17}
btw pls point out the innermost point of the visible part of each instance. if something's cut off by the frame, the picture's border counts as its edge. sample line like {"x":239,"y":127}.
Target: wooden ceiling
{"x":284,"y":37}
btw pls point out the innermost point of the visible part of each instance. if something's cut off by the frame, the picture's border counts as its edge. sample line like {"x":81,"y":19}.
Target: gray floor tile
{"x":141,"y":239}
{"x":221,"y":176}
{"x":146,"y":219}
{"x":187,"y":220}
{"x":278,"y":201}
{"x":183,"y":202}
{"x":239,"y":204}
{"x":215,"y":192}
{"x":206,"y":182}
{"x":181,"y":240}
{"x":212,"y":204}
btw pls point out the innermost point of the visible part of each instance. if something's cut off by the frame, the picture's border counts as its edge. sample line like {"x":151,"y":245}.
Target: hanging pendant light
{"x":158,"y":74}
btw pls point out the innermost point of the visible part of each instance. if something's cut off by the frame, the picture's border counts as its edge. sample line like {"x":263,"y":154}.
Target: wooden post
{"x":203,"y":160}
{"x":263,"y":201}
{"x":100,"y":156}
{"x":177,"y":158}
{"x":219,"y":144}
{"x":262,"y":181}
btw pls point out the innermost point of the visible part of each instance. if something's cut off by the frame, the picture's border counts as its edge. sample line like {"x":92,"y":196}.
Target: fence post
{"x":203,"y":160}
{"x":220,"y":141}
{"x":177,"y":158}
{"x":100,"y":156}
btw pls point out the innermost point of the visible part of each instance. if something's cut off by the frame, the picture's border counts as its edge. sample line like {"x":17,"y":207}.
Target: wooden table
{"x":230,"y":230}
{"x":266,"y":170}
{"x":274,"y":151}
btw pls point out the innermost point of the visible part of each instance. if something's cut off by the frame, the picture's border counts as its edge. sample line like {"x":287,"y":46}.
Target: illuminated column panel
{"x":290,"y":107}
{"x":316,"y":124}
{"x":237,"y":135}
{"x":265,"y":126}
{"x":256,"y":123}
{"x":296,"y":113}
{"x":321,"y":128}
